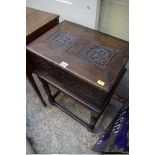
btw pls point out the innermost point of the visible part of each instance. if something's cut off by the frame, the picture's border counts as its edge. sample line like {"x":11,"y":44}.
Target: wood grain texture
{"x":38,"y":22}
{"x":90,"y":55}
{"x":87,"y":56}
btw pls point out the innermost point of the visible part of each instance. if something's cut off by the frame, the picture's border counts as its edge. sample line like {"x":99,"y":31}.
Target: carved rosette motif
{"x":62,"y":40}
{"x":97,"y":55}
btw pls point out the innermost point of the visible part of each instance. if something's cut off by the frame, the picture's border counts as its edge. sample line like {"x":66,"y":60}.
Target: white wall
{"x":83,"y":12}
{"x":114,"y":18}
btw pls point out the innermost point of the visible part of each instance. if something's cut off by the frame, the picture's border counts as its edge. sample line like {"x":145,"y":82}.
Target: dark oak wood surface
{"x":74,"y":58}
{"x":38,"y":22}
{"x":90,"y":55}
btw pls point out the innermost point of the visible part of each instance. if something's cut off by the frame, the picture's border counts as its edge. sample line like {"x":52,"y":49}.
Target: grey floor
{"x":51,"y":131}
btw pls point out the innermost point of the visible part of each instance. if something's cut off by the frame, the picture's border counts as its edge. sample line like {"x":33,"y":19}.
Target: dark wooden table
{"x":83,"y":63}
{"x":37,"y":23}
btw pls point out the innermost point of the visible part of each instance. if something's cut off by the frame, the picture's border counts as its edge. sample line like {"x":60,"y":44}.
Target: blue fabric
{"x":115,"y":139}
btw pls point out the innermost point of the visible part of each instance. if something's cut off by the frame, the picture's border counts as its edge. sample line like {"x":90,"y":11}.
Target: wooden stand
{"x":85,"y":64}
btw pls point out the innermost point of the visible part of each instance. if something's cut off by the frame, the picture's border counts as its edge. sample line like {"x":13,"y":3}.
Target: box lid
{"x":90,"y":55}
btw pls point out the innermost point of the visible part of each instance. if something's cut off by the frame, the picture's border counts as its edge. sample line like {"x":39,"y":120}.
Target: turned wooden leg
{"x":47,"y":90}
{"x":93,"y":120}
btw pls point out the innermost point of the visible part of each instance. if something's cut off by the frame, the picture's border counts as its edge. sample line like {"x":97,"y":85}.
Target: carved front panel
{"x":97,"y":55}
{"x":78,"y":87}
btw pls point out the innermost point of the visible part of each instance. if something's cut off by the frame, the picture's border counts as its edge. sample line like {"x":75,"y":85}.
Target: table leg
{"x":33,"y":84}
{"x":30,"y":78}
{"x":47,"y":90}
{"x":93,"y":120}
